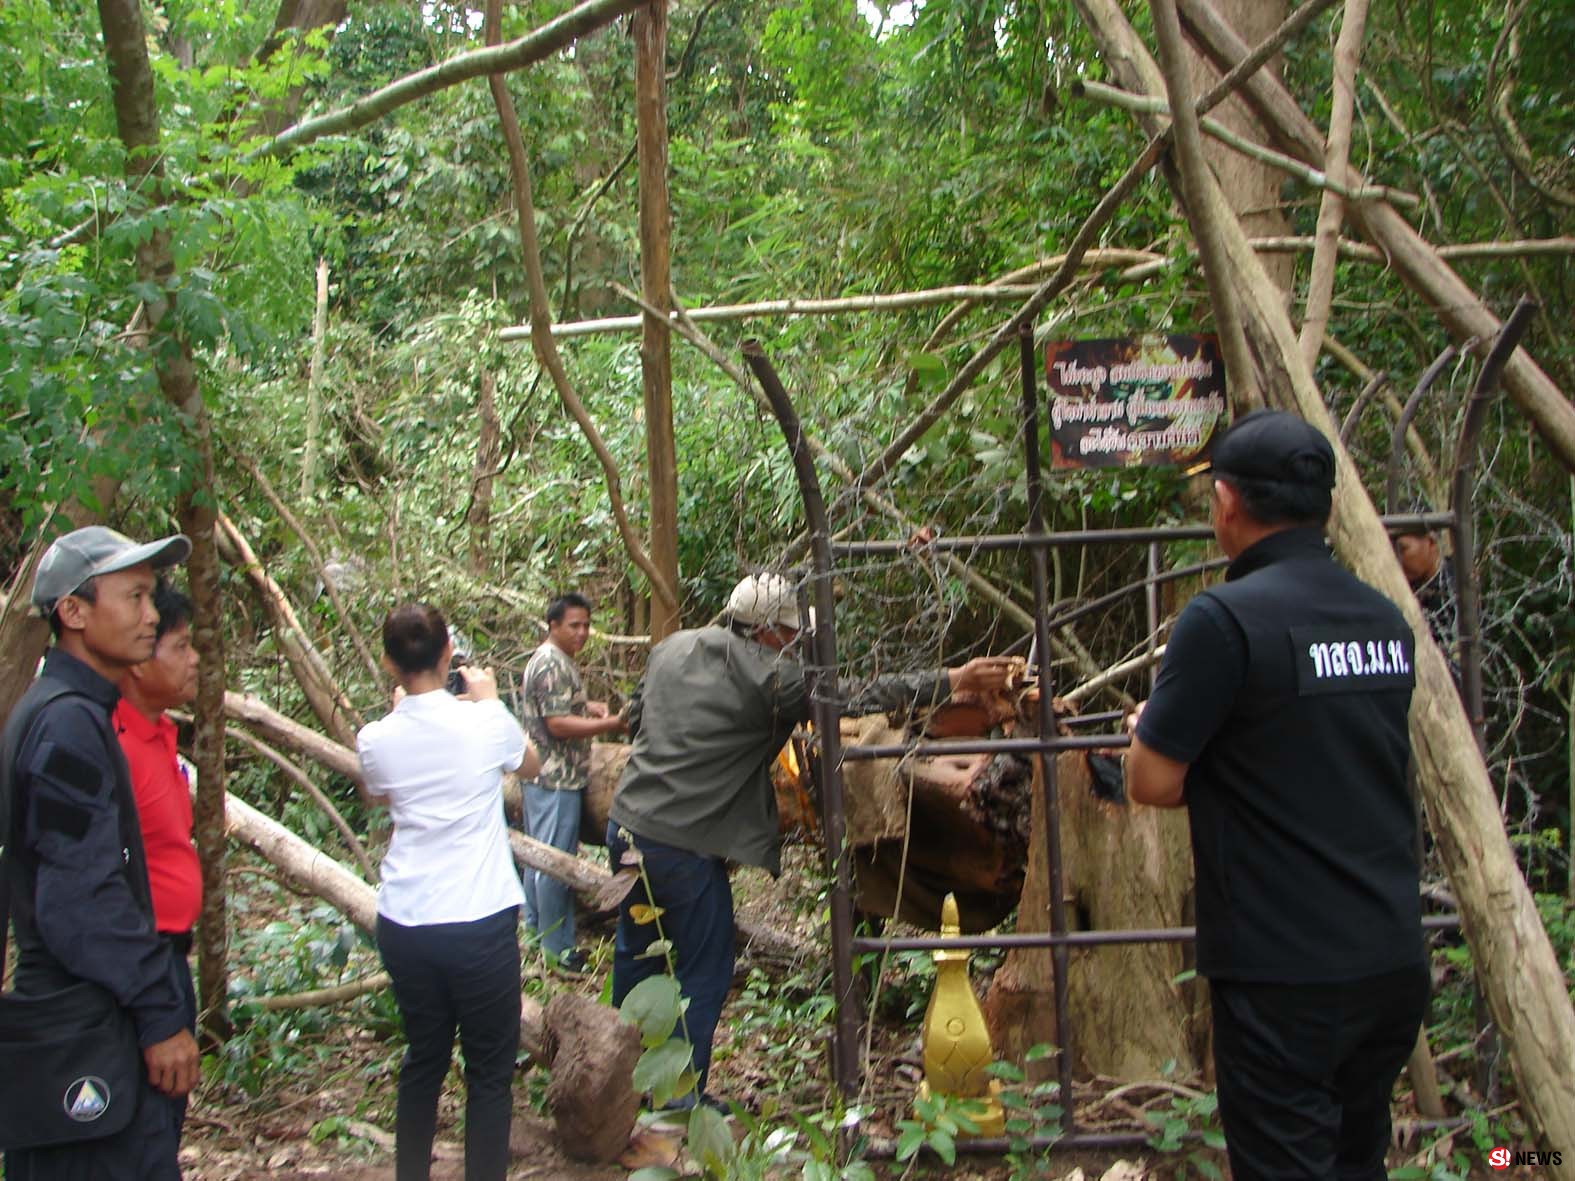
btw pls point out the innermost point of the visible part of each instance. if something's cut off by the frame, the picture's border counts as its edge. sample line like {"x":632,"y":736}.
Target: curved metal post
{"x":1467,"y":594}
{"x":1036,"y":527}
{"x":1397,"y":436}
{"x":822,"y":677}
{"x":1380,"y":379}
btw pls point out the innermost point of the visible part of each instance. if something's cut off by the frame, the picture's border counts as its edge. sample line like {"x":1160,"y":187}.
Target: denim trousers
{"x":552,"y":817}
{"x":448,"y":975}
{"x":696,"y":902}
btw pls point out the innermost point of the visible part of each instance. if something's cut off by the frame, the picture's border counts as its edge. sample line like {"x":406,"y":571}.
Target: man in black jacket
{"x":81,"y":905}
{"x":1279,"y":720}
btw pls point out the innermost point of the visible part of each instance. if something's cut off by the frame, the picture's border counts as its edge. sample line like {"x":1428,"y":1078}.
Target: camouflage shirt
{"x":551,"y":688}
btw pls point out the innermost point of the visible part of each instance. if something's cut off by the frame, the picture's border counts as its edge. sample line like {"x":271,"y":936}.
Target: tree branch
{"x":1320,"y":284}
{"x":541,"y":310}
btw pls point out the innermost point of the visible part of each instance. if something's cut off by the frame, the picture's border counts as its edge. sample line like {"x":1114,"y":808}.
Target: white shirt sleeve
{"x":508,"y":738}
{"x":364,"y":747}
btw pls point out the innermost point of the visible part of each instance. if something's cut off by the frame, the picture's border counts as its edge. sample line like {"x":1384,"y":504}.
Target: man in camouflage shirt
{"x":561,"y":724}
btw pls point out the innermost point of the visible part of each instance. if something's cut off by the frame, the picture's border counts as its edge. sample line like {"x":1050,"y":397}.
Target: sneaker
{"x":571,"y":963}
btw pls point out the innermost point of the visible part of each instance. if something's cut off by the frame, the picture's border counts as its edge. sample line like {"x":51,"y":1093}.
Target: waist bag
{"x":70,"y":1065}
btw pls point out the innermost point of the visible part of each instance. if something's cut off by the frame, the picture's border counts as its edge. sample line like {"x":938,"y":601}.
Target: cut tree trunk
{"x":588,"y":1042}
{"x":1121,"y":868}
{"x":1520,"y":975}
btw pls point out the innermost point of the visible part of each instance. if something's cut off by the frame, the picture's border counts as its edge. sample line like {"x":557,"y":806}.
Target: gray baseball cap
{"x":86,"y":553}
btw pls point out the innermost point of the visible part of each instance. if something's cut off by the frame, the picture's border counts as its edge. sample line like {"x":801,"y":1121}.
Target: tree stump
{"x":1123,"y":867}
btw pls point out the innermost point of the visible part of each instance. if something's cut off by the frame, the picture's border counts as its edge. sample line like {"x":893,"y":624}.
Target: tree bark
{"x":1414,"y":259}
{"x":1331,"y":209}
{"x":656,"y":362}
{"x":314,"y":384}
{"x":489,"y":448}
{"x":1520,"y":975}
{"x":136,"y":119}
{"x":1188,"y":140}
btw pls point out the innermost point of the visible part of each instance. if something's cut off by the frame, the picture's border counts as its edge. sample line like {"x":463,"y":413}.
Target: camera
{"x":461,"y":656}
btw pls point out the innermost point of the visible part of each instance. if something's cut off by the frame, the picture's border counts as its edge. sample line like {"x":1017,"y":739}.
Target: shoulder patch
{"x":1352,"y":658}
{"x":68,"y":767}
{"x":53,"y":816}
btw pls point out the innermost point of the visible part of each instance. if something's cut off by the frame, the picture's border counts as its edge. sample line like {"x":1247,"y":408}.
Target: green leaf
{"x":653,"y":1006}
{"x":654,"y":1173}
{"x":660,"y":1069}
{"x":710,"y":1142}
{"x":944,"y":1146}
{"x":911,"y":1140}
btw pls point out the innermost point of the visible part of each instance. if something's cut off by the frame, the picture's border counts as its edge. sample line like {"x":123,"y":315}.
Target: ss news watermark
{"x":1502,"y":1158}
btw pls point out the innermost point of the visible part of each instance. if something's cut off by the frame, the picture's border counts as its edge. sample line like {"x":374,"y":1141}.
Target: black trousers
{"x":1305,"y":1072}
{"x":146,"y":1149}
{"x":448,"y":975}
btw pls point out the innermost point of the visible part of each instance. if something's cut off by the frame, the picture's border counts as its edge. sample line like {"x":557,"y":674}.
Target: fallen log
{"x":580,"y":1039}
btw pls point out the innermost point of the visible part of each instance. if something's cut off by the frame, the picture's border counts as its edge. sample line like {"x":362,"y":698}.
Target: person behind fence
{"x":75,"y":870}
{"x":1432,"y":580}
{"x":448,"y":905}
{"x":1278,"y":719}
{"x":561,"y":723}
{"x":715,"y":706}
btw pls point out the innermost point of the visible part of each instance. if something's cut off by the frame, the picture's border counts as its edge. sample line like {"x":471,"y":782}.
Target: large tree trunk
{"x":1416,"y":262}
{"x":656,"y":361}
{"x":1525,"y":988}
{"x":136,"y":118}
{"x":1122,"y":868}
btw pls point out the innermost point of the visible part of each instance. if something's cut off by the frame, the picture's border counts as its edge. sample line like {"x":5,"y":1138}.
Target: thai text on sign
{"x":1140,"y":401}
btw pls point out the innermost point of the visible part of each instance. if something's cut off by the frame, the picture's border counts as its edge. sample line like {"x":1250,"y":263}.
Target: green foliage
{"x":1190,"y":1119}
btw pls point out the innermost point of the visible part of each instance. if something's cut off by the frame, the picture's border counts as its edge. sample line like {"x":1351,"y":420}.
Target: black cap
{"x":1274,"y":446}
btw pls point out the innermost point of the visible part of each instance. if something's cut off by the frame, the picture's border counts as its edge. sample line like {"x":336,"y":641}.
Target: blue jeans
{"x":696,"y":901}
{"x":447,"y":975}
{"x":553,"y":818}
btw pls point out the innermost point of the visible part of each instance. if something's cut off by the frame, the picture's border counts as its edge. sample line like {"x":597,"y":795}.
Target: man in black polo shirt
{"x":1279,"y":721}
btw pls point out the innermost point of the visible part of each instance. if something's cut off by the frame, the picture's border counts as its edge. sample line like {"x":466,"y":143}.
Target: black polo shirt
{"x":1286,"y":690}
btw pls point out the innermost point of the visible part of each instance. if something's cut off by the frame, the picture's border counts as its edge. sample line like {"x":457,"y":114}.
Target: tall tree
{"x":136,"y":116}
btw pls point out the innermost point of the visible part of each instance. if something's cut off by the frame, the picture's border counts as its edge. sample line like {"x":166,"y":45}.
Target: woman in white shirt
{"x":447,"y":909}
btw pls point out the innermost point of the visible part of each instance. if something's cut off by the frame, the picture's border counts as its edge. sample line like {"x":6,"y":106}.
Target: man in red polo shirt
{"x":164,"y":681}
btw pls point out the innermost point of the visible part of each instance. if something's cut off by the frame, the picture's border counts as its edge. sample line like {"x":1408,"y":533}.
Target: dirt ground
{"x":336,"y":1119}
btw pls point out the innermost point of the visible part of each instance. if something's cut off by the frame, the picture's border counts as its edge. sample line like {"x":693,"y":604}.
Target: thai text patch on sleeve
{"x":1352,"y":659}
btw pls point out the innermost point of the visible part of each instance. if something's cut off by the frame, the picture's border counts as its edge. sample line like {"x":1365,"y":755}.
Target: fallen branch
{"x":328,"y":702}
{"x":300,"y":778}
{"x":320,"y":997}
{"x":1111,"y":675}
{"x":1320,"y":286}
{"x":1317,"y":178}
{"x":374,"y":670}
{"x":293,"y":736}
